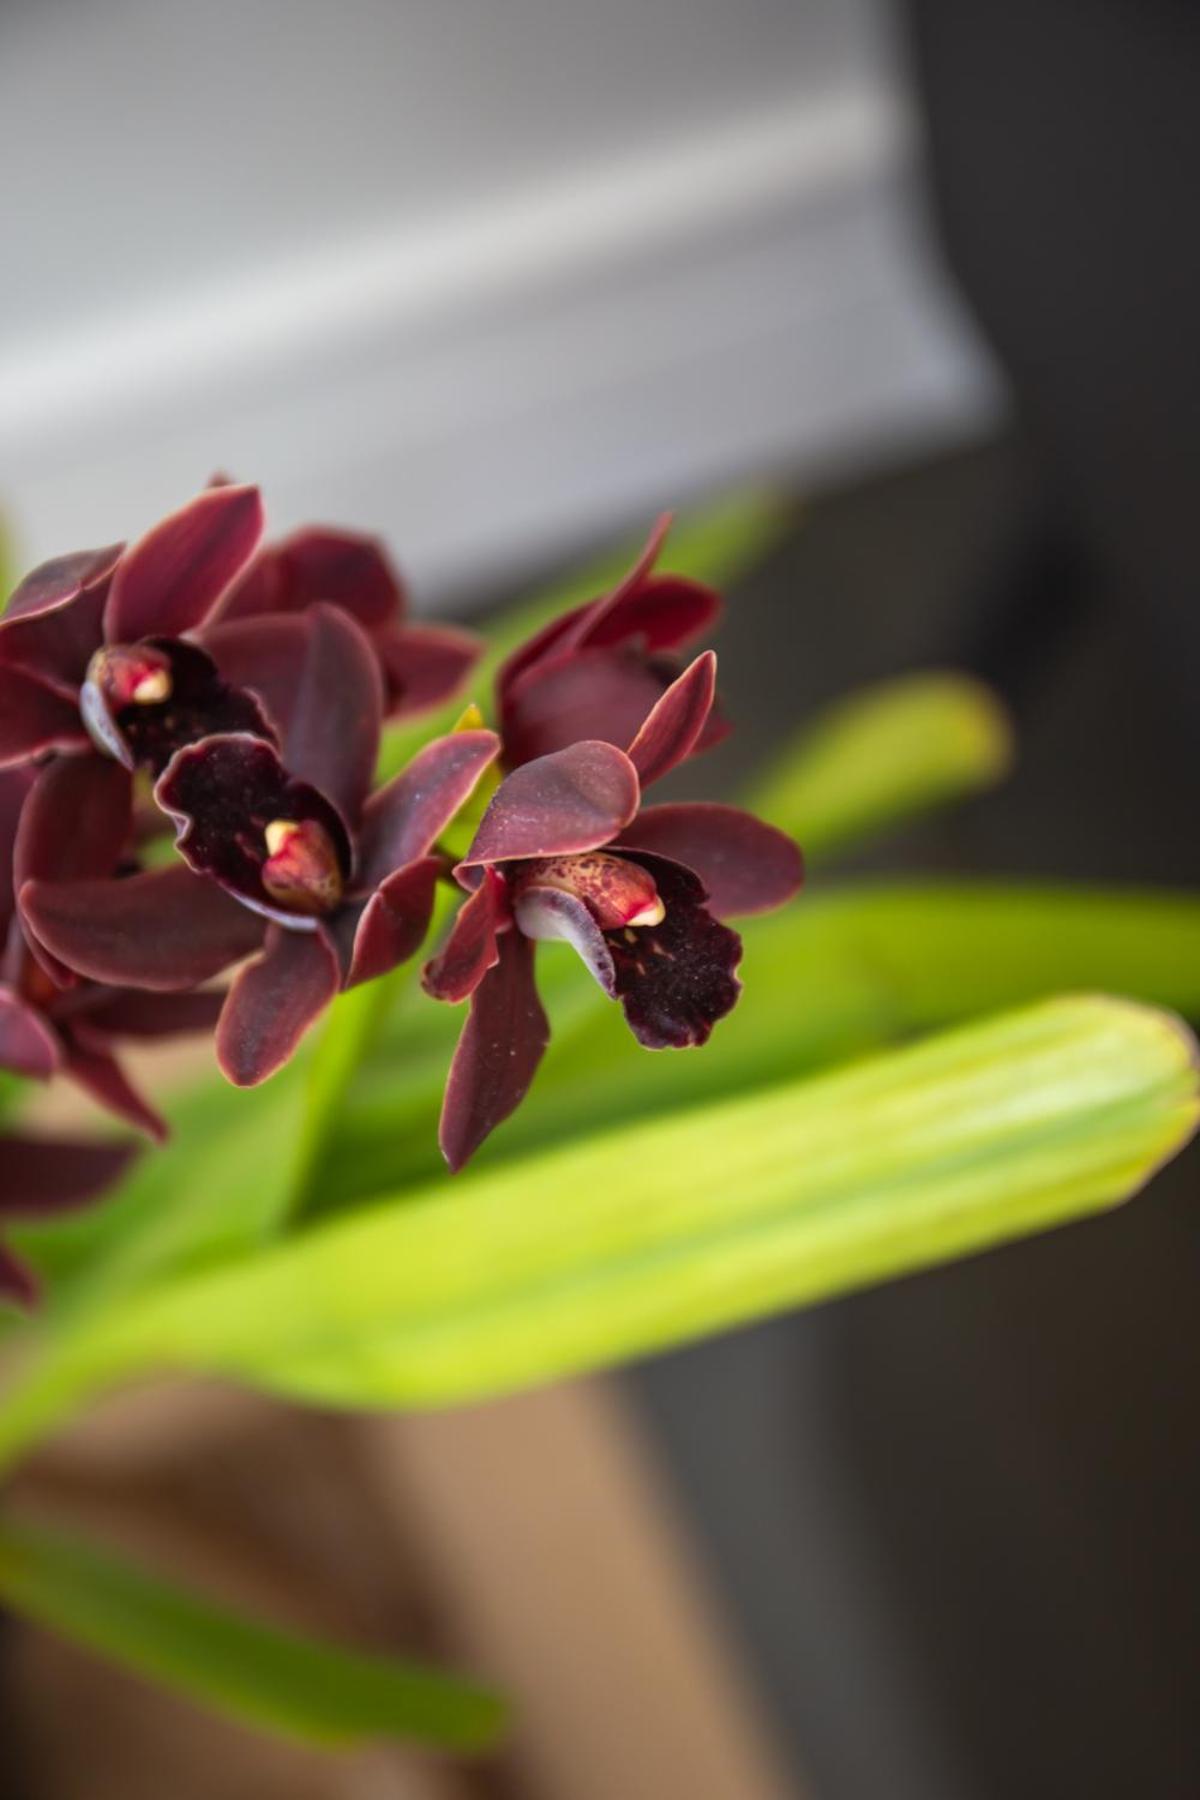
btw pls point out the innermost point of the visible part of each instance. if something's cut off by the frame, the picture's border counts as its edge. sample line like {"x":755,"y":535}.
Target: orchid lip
{"x":301,"y":871}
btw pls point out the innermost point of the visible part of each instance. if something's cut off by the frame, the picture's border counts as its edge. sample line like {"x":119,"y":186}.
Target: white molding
{"x":510,"y":380}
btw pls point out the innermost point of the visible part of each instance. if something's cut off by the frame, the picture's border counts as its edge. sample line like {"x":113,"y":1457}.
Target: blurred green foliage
{"x":306,"y":1240}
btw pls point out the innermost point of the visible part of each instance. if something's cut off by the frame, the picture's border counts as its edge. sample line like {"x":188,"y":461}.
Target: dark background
{"x":957,"y":1516}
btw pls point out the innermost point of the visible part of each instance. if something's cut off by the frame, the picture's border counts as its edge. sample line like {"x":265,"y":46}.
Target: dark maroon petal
{"x":745,"y":866}
{"x":55,"y":619}
{"x":423,"y":665}
{"x":676,"y":979}
{"x":18,"y":1284}
{"x":258,"y":589}
{"x":660,"y":613}
{"x":149,"y":1015}
{"x":28,"y":1043}
{"x":471,"y":949}
{"x":34,"y":718}
{"x":225,"y":792}
{"x":544,"y":912}
{"x":167,"y":929}
{"x":171,"y":579}
{"x":344,"y":568}
{"x":201,"y":703}
{"x":74,"y":825}
{"x":405,"y":819}
{"x":564,"y":635}
{"x":59,"y":583}
{"x":333,"y":736}
{"x":75,"y":822}
{"x":674,"y":727}
{"x":273,"y":1002}
{"x":44,"y":1176}
{"x":265,"y":655}
{"x":537,"y":649}
{"x":576,"y":799}
{"x":599,"y":694}
{"x":94,"y":1068}
{"x":392,"y":924}
{"x":14,"y":789}
{"x":501,"y":1045}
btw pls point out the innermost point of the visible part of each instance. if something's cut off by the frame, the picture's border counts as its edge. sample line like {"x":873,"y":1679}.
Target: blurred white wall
{"x":491,"y":276}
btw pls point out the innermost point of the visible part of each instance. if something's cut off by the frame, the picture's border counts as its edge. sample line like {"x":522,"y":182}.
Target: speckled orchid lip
{"x":250,"y":685}
{"x":93,"y":642}
{"x":288,"y":853}
{"x":565,"y":850}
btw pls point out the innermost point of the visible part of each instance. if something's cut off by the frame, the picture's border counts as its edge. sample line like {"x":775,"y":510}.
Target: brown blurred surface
{"x":528,"y":1542}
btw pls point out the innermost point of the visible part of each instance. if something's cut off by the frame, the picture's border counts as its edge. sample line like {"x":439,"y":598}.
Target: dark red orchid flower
{"x":93,"y":647}
{"x":70,"y":820}
{"x":421,"y":665}
{"x":288,"y":854}
{"x":40,"y":1179}
{"x":599,"y":671}
{"x":566,"y":850}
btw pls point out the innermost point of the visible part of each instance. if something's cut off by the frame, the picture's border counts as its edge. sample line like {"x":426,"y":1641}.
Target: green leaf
{"x":718,"y":545}
{"x":884,"y":754}
{"x":836,"y":974}
{"x":222,"y":1185}
{"x":286,"y":1683}
{"x":659,"y":1233}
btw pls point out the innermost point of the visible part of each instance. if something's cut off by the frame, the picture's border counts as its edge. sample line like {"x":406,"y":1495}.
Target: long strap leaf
{"x":287,"y":1683}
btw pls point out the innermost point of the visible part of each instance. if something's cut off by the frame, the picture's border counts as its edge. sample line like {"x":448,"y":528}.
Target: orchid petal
{"x":471,"y":948}
{"x":661,"y":613}
{"x":75,"y":822}
{"x":29,"y":1045}
{"x":14,"y":790}
{"x":333,"y":736}
{"x":54,"y":621}
{"x":604,"y":694}
{"x":501,"y":1045}
{"x":265,"y":654}
{"x":258,"y":590}
{"x":392,"y":924}
{"x":43,"y":1176}
{"x":745,"y":866}
{"x":19,"y":1286}
{"x":563,"y":636}
{"x":545,"y":912}
{"x":58,"y":583}
{"x":424,"y":665}
{"x":586,"y":620}
{"x":273,"y":1002}
{"x":142,"y":1014}
{"x":537,"y":649}
{"x":676,"y":979}
{"x":35,"y":718}
{"x":405,"y":819}
{"x":558,"y":805}
{"x":96,"y":1070}
{"x":673,"y":728}
{"x":74,"y":825}
{"x":344,"y":568}
{"x":165,"y":930}
{"x":172,"y":578}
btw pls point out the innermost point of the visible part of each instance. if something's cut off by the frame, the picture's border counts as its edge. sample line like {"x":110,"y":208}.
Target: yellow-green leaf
{"x":885,"y":753}
{"x":650,"y":1236}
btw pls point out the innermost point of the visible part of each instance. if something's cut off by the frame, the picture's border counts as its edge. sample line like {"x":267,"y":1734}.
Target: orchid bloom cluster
{"x":234,"y":693}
